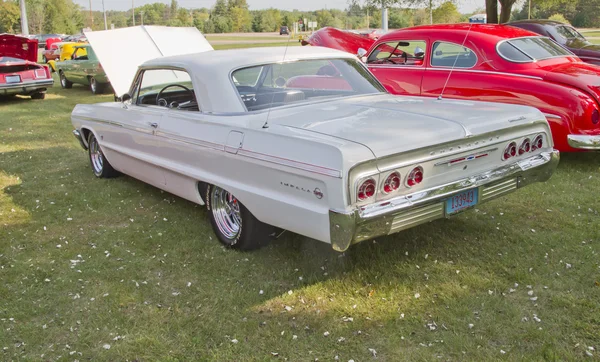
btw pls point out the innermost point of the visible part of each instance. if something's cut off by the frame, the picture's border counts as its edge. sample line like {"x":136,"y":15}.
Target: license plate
{"x":13,"y":79}
{"x":462,"y":201}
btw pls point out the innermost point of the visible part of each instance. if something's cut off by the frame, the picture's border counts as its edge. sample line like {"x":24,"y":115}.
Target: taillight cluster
{"x":524,"y":147}
{"x":368,"y":188}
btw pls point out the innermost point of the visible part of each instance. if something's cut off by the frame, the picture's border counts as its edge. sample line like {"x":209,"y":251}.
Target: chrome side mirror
{"x":361,"y":54}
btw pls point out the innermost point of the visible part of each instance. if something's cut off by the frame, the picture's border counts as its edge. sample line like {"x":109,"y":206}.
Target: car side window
{"x":452,"y":55}
{"x":79,"y":54}
{"x":404,"y":52}
{"x":169,"y":88}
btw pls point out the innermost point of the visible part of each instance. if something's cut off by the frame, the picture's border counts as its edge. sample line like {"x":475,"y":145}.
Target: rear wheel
{"x":39,"y":95}
{"x":233,"y":223}
{"x":64,"y":82}
{"x":100,"y":165}
{"x":96,"y":87}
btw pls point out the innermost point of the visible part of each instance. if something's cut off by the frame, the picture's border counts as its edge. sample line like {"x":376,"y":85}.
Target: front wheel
{"x":233,"y":223}
{"x":100,"y":165}
{"x":64,"y":82}
{"x":95,"y":87}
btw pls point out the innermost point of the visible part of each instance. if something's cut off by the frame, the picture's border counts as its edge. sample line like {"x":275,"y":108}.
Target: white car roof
{"x":211,"y":70}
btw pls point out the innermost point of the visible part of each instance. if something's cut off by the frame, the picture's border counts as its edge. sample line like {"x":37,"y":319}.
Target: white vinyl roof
{"x":211,"y":71}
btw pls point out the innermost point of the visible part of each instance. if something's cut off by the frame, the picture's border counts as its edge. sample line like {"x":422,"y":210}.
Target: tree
{"x":241,"y":20}
{"x":35,"y":15}
{"x":446,"y":13}
{"x":10,"y":16}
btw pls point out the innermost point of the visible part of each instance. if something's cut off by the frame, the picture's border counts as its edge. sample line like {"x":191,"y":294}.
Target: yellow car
{"x":66,"y":52}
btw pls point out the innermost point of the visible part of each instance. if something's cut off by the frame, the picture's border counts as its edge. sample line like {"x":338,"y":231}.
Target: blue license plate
{"x":461,"y":201}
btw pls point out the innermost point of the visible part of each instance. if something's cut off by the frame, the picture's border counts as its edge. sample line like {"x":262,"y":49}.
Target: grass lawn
{"x":117,"y":270}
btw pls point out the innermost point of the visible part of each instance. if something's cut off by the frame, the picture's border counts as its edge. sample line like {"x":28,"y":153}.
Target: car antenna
{"x":287,"y":44}
{"x":454,"y":64}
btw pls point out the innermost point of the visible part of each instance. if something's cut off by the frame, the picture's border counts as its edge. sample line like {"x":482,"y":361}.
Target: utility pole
{"x":384,"y":17}
{"x":91,"y":16}
{"x":133,"y":12}
{"x":142,"y":15}
{"x":430,"y":11}
{"x":104,"y":11}
{"x":24,"y":26}
{"x":529,"y":13}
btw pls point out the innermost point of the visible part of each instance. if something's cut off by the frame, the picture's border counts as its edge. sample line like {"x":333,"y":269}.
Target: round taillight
{"x":510,"y":151}
{"x":415,"y":177}
{"x":595,"y":117}
{"x":525,"y":146}
{"x":366,"y":190}
{"x":538,"y":143}
{"x":392,"y":183}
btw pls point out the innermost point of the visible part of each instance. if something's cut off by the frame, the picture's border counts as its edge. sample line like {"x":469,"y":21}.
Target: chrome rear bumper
{"x":79,"y":137}
{"x":25,"y":88}
{"x":584,"y":142}
{"x":403,"y":212}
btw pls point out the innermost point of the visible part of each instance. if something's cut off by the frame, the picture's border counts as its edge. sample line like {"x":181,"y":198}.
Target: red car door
{"x":464,"y":82}
{"x":399,"y":65}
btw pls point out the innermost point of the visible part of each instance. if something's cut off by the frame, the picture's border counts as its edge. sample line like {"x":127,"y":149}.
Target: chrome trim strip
{"x":189,"y":141}
{"x":487,"y":72}
{"x":290,"y":163}
{"x":584,"y":142}
{"x":219,"y":147}
{"x":30,"y":84}
{"x":449,"y":162}
{"x":397,"y":66}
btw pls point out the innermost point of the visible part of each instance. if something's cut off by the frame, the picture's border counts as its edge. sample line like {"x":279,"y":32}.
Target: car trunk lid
{"x":13,"y":46}
{"x":389,"y":124}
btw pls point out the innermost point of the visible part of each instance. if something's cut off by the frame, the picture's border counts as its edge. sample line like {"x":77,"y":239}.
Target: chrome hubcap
{"x":62,"y":80}
{"x":226,"y":211}
{"x":93,"y":84}
{"x":96,"y":156}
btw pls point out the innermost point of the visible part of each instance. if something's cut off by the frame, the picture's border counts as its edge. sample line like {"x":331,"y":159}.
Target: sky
{"x":464,"y":6}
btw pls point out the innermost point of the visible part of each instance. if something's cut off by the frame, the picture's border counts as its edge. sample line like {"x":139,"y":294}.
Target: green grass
{"x":87,"y":262}
{"x":591,"y":34}
{"x":256,"y":45}
{"x":212,"y":37}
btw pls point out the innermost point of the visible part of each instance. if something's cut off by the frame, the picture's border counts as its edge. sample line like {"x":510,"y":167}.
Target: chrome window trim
{"x":533,"y":60}
{"x":453,"y":67}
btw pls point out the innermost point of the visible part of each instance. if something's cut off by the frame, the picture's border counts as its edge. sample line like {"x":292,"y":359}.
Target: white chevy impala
{"x":307,"y":140}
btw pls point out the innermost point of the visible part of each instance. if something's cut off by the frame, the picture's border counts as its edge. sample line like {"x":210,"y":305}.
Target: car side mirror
{"x":125,"y":97}
{"x":361,"y":54}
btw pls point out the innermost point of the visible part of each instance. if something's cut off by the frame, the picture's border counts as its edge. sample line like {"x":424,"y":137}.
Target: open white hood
{"x":122,"y":51}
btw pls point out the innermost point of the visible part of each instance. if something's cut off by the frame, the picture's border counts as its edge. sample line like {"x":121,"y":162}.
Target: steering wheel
{"x":163,"y":102}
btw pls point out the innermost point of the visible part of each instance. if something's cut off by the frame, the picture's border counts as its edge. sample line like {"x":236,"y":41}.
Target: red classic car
{"x":19,"y":72}
{"x":494,"y":63}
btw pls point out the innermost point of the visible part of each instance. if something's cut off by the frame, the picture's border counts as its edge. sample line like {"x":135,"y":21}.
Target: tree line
{"x":66,"y":17}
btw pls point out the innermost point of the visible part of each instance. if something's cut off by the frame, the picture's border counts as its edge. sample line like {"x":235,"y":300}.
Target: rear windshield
{"x":530,"y":49}
{"x":273,"y":85}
